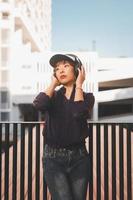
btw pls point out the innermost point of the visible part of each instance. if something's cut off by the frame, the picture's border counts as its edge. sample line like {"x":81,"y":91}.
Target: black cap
{"x":59,"y":57}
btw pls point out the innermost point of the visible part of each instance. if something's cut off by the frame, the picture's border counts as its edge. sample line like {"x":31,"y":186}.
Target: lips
{"x":62,"y":77}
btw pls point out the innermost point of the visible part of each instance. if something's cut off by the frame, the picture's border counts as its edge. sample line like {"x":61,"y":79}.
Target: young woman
{"x":66,"y":160}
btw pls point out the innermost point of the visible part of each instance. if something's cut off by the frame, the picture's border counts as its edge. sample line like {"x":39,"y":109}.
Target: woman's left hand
{"x":81,"y":77}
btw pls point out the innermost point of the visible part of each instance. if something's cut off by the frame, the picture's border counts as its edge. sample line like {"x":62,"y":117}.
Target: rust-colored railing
{"x":110,"y":146}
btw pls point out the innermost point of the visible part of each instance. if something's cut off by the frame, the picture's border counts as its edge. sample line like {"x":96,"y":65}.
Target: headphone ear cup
{"x":77,"y":66}
{"x":76,"y":70}
{"x":54,"y":74}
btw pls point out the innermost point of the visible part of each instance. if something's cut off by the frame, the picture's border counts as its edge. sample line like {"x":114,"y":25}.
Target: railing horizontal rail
{"x":110,"y":146}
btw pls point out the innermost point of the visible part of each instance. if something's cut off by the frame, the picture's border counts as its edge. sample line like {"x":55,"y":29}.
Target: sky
{"x":85,"y":25}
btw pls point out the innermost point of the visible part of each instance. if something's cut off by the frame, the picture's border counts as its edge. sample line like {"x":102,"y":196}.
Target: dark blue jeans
{"x":66,"y":172}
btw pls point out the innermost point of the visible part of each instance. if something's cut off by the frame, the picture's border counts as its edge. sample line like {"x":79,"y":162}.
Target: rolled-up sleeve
{"x":82,"y":109}
{"x":42,"y":102}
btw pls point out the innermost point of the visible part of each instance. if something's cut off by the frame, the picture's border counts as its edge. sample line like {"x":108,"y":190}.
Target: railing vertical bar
{"x":44,"y":182}
{"x":7,"y":161}
{"x":30,"y":161}
{"x":106,"y":162}
{"x":129,"y":174}
{"x":98,"y":141}
{"x":14,"y":175}
{"x":37,"y":161}
{"x":0,"y":158}
{"x":91,"y":161}
{"x":121,"y":175}
{"x":22,"y":160}
{"x":113,"y":162}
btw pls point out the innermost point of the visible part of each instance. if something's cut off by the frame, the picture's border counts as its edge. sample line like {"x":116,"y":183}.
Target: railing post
{"x":113,"y":162}
{"x":0,"y":157}
{"x":106,"y":196}
{"x":121,"y":171}
{"x":37,"y":161}
{"x":91,"y":161}
{"x":14,"y":175}
{"x":30,"y":161}
{"x":44,"y":182}
{"x":129,"y":173}
{"x":98,"y":150}
{"x":7,"y":161}
{"x":22,"y":160}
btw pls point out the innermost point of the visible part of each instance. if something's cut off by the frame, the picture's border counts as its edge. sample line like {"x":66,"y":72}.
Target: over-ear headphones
{"x":77,"y":63}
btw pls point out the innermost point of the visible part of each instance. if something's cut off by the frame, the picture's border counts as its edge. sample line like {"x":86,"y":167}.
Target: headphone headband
{"x":75,"y":59}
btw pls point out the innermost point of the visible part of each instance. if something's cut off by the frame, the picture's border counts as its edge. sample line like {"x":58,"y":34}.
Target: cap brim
{"x":58,"y":57}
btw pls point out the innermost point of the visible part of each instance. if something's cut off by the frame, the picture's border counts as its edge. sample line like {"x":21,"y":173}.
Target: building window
{"x":5,"y":116}
{"x":37,"y":86}
{"x":5,"y":56}
{"x":113,"y":108}
{"x":5,"y":15}
{"x":26,"y":66}
{"x":4,"y":77}
{"x":26,"y":87}
{"x":5,"y":36}
{"x":38,"y":67}
{"x":4,"y":97}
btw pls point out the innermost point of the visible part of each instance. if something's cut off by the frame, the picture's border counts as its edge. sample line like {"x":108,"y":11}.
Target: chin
{"x":63,"y":82}
{"x":66,"y":82}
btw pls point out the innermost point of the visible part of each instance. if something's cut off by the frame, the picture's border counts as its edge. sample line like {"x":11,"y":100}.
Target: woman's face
{"x":64,"y":72}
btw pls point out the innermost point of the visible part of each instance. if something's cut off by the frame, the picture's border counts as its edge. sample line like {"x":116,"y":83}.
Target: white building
{"x":25,"y":27}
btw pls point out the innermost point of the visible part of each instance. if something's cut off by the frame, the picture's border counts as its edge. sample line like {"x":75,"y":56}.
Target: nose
{"x":61,"y":70}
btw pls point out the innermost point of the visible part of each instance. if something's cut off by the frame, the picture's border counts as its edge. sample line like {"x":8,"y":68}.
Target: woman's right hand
{"x":50,"y":89}
{"x":55,"y":81}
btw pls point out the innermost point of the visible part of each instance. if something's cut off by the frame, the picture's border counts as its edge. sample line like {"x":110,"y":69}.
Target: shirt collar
{"x":63,"y":90}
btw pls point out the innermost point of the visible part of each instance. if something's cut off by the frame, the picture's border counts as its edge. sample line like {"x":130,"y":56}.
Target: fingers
{"x":55,"y":80}
{"x":82,"y":70}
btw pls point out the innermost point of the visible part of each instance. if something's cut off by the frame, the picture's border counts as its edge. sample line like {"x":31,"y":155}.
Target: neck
{"x":69,"y":89}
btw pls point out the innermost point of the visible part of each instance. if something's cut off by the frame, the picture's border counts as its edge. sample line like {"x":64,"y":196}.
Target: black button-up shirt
{"x":65,"y":119}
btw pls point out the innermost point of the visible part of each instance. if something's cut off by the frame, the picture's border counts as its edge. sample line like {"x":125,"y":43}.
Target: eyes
{"x":65,"y":66}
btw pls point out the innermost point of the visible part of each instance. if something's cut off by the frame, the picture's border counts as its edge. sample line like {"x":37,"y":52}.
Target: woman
{"x":66,"y":160}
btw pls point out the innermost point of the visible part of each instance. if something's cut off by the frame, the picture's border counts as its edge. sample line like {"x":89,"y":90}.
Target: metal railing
{"x":110,"y":146}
